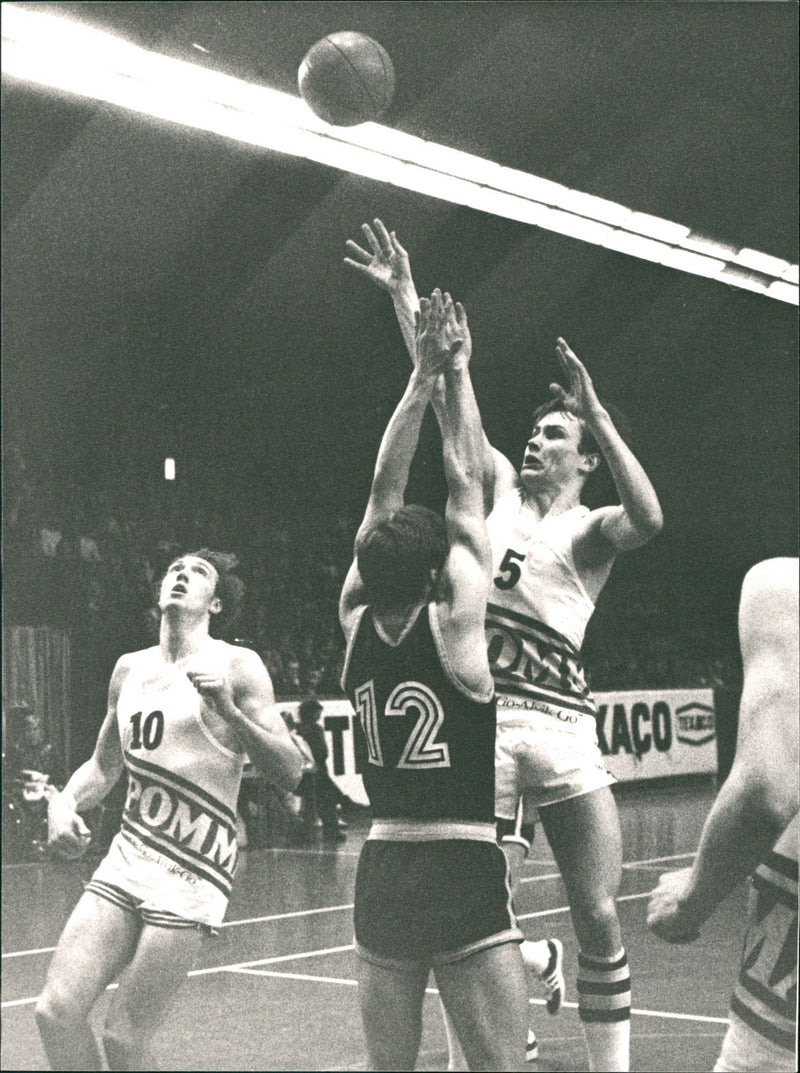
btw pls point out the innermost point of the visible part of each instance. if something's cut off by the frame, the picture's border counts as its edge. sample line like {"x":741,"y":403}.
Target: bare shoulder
{"x":769,"y":580}
{"x":130,"y":661}
{"x":242,"y":661}
{"x":768,"y":606}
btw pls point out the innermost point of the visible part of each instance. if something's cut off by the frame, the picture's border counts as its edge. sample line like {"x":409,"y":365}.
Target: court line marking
{"x":669,"y":1015}
{"x":236,"y":966}
{"x":341,"y":908}
{"x":565,"y":908}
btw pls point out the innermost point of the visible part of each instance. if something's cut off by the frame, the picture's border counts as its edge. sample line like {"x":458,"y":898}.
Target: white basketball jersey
{"x":538,"y":606}
{"x":764,"y":1003}
{"x":183,"y":784}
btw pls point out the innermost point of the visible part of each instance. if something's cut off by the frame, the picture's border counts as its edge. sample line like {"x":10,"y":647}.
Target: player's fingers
{"x":562,"y":345}
{"x":398,"y":248}
{"x":461,"y":315}
{"x":383,"y":236}
{"x":558,"y":391}
{"x":369,"y":234}
{"x":358,"y":251}
{"x":363,"y":269}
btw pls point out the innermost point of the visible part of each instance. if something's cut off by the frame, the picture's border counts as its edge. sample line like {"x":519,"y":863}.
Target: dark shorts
{"x":421,"y":903}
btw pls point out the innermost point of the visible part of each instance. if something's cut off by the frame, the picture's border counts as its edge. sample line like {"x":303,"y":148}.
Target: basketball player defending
{"x":551,"y":558}
{"x":432,"y":884}
{"x":181,"y":716}
{"x":753,"y":828}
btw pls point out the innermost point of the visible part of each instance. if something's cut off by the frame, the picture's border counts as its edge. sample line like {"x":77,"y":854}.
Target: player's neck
{"x":543,"y":501}
{"x":179,"y":638}
{"x":395,"y":621}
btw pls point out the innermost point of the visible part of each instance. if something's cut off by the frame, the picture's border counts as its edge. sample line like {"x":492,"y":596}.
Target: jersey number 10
{"x":149,"y":733}
{"x":421,"y":750}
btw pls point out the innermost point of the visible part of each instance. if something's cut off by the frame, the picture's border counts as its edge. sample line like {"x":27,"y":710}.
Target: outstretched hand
{"x":386,"y":263}
{"x":442,"y":333}
{"x":581,"y":398}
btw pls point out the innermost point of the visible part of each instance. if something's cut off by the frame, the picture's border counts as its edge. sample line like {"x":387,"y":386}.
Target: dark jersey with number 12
{"x":429,"y":740}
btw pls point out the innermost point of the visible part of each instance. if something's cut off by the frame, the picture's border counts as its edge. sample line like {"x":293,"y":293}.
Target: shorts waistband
{"x":400,"y":830}
{"x":518,"y":708}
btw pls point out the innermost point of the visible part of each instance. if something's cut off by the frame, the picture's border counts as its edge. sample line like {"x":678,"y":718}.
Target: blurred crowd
{"x":87,"y":559}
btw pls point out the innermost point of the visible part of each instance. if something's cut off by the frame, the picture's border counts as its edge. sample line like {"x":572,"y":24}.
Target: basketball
{"x":347,"y":78}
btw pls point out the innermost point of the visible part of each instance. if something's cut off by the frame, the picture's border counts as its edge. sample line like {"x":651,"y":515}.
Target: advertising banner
{"x":643,"y":734}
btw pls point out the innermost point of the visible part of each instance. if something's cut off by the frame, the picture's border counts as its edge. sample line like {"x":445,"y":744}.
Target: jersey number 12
{"x":421,"y":750}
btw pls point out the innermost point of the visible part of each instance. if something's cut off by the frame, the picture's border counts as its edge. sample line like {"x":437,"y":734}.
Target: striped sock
{"x":604,"y":1006}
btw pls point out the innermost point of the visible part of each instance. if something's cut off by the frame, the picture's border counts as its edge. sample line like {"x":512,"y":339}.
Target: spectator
{"x":327,"y":793}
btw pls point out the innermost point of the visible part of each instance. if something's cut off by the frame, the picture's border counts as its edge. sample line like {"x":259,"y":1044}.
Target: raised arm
{"x":396,"y":453}
{"x":760,"y":796}
{"x":91,"y":783}
{"x":386,"y":264}
{"x":466,"y":576}
{"x":638,"y":518}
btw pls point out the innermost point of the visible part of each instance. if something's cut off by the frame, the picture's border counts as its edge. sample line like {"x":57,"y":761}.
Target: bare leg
{"x":391,"y":1011}
{"x":146,"y":993}
{"x":486,"y":996}
{"x":96,"y":944}
{"x":585,"y":837}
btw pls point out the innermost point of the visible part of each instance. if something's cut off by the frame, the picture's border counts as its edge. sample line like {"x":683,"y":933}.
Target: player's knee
{"x":598,"y":916}
{"x":54,"y":1012}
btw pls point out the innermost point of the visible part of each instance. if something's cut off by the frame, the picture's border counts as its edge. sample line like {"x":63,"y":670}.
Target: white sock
{"x":604,"y":1006}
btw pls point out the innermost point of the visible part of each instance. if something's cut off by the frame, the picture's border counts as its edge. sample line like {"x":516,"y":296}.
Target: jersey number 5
{"x":421,"y":750}
{"x":510,"y":567}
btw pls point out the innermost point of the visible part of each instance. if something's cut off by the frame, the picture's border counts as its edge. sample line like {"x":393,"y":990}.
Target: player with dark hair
{"x":753,"y":829}
{"x":432,"y":884}
{"x":181,"y":717}
{"x":551,"y":558}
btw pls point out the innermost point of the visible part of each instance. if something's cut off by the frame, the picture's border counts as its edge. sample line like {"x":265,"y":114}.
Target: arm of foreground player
{"x":67,"y":834}
{"x":760,"y":796}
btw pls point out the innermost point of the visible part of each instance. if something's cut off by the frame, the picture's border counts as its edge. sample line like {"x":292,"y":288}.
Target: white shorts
{"x":158,"y":883}
{"x":744,"y":1049}
{"x":543,"y":757}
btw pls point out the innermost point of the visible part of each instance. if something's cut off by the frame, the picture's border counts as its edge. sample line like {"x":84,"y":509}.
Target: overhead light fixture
{"x":71,"y":57}
{"x":761,"y":262}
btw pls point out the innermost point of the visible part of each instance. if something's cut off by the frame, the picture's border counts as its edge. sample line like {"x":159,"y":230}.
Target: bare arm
{"x":396,"y":453}
{"x":760,"y":796}
{"x":638,"y":519}
{"x":466,"y":575}
{"x":462,"y":442}
{"x":243,"y":695}
{"x":91,"y":783}
{"x":386,"y":263}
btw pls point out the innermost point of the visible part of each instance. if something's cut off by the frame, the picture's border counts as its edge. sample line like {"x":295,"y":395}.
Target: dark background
{"x":170,"y":292}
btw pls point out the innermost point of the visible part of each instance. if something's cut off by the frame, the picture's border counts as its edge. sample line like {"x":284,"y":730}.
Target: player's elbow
{"x":292,"y":771}
{"x":772,"y":794}
{"x":651,"y":523}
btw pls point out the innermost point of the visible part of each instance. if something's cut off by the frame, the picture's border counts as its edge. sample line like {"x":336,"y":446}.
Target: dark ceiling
{"x":168,"y":291}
